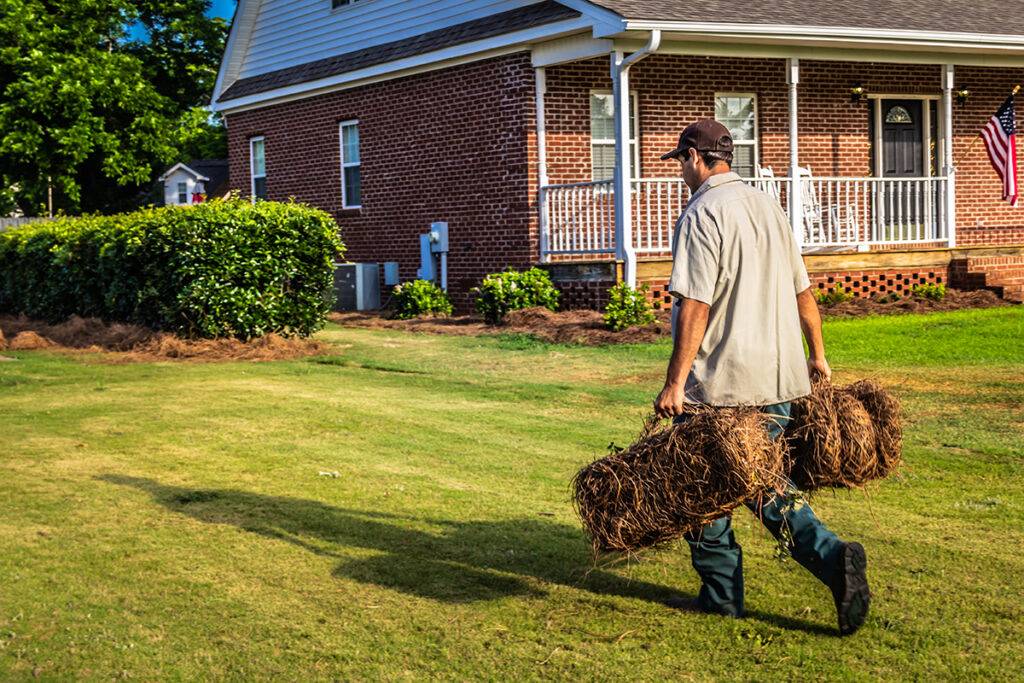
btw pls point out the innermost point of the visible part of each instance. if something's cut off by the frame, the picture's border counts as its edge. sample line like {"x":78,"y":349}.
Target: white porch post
{"x":947,"y":147}
{"x":624,"y":250}
{"x":541,"y":84}
{"x":796,"y":205}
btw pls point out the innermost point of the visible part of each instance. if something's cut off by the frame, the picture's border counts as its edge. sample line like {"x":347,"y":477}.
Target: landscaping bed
{"x":587,"y":327}
{"x":134,"y":343}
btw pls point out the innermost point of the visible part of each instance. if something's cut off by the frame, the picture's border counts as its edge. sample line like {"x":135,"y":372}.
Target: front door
{"x":902,"y":139}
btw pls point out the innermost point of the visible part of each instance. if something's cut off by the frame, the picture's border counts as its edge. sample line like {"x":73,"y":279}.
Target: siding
{"x":292,"y":32}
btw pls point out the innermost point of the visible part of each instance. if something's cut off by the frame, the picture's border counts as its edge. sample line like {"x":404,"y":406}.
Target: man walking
{"x":742,"y":299}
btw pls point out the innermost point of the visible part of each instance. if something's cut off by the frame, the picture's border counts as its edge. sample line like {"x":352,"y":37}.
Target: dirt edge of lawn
{"x":124,"y":343}
{"x":586,"y":327}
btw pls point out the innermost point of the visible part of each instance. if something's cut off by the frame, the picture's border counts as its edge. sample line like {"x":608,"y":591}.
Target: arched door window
{"x":898,"y":114}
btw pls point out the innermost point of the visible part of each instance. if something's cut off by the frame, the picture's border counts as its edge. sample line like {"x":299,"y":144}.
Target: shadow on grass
{"x":466,"y":562}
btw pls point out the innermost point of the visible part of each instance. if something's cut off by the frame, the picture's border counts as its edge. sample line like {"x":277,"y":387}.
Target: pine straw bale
{"x":29,"y":341}
{"x":676,"y":478}
{"x":843,"y":437}
{"x":886,"y":415}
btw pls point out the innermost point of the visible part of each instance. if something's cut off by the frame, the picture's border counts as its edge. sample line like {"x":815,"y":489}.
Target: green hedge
{"x":219,"y":269}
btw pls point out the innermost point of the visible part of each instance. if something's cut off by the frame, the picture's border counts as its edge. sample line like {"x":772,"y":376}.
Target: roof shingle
{"x":487,"y":27}
{"x":997,"y":17}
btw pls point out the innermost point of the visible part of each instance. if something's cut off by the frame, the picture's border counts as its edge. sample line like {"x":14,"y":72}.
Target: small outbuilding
{"x":195,"y":182}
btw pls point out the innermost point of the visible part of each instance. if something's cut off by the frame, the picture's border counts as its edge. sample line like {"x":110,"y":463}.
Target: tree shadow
{"x":453,"y":561}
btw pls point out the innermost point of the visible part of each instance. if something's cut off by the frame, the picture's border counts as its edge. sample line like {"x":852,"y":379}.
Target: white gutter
{"x":623,"y":171}
{"x":789,"y":31}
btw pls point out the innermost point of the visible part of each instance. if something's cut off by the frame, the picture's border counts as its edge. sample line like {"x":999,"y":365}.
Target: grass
{"x":170,"y":520}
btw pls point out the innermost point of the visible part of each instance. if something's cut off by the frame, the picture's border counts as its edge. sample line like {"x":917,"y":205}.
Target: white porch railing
{"x":579,"y":219}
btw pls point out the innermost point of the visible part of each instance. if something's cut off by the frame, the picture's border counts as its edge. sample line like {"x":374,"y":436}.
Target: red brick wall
{"x":455,"y":145}
{"x":834,"y":137}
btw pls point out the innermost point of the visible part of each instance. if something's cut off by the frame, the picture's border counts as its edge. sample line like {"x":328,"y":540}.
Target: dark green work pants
{"x":718,"y":558}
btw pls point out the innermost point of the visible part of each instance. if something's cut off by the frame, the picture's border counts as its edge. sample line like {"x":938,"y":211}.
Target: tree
{"x":84,"y":107}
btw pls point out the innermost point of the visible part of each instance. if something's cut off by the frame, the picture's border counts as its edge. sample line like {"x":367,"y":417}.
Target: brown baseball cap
{"x":706,"y":135}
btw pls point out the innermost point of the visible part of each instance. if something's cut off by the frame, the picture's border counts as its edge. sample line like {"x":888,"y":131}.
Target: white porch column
{"x":947,"y":152}
{"x":541,"y":84}
{"x":624,"y":250}
{"x":796,"y":205}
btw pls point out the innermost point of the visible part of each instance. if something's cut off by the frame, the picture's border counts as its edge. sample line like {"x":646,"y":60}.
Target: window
{"x":898,"y":114}
{"x":602,"y":136}
{"x":738,"y":113}
{"x":183,"y":193}
{"x":335,"y":4}
{"x":351,"y":182}
{"x":258,"y":168}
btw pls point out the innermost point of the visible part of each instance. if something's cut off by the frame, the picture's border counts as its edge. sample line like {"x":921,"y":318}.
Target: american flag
{"x":1000,"y":137}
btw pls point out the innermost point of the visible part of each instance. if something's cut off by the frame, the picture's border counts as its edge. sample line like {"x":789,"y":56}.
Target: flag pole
{"x":1016,"y":89}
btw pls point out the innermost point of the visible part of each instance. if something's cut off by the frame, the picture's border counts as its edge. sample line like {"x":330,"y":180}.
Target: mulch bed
{"x":587,"y":327}
{"x":132,"y":343}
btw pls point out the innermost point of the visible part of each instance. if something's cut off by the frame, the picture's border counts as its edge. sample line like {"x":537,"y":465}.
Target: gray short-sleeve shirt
{"x":733,"y":249}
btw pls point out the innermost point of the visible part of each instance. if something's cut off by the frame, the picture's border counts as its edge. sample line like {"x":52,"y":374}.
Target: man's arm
{"x":810,"y":323}
{"x":691,"y":325}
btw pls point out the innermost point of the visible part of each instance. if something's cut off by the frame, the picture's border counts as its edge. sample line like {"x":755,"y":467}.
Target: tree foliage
{"x":92,"y":111}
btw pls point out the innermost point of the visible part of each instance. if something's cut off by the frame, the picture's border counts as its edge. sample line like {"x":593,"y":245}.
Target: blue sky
{"x":222,"y":8}
{"x":218,"y":8}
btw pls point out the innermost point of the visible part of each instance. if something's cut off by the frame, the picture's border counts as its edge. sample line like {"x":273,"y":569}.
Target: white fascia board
{"x":182,"y":167}
{"x":606,"y":23}
{"x":570,"y":49}
{"x":886,"y":37}
{"x":731,"y":46}
{"x":242,"y":24}
{"x":439,"y":59}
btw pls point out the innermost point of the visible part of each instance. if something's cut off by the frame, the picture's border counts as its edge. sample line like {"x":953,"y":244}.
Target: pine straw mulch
{"x":583,"y":327}
{"x":133,"y":343}
{"x":587,"y":328}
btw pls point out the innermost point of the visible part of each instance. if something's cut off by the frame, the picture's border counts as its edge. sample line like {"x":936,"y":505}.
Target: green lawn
{"x":169,"y":520}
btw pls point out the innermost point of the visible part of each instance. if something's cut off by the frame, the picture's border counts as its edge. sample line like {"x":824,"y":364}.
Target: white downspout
{"x":947,"y":152}
{"x":624,"y":249}
{"x":541,"y":84}
{"x":796,"y":204}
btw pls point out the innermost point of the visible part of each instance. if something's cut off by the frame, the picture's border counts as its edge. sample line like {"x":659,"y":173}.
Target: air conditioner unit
{"x":356,"y":287}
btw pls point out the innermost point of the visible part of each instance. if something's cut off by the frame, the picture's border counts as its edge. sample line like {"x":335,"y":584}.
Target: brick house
{"x":534,"y":129}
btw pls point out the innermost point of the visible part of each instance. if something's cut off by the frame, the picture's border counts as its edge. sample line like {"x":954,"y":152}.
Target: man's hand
{"x":670,"y":401}
{"x":818,"y":368}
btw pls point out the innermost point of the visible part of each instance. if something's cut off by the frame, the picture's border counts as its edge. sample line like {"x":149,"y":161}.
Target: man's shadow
{"x":463,"y":561}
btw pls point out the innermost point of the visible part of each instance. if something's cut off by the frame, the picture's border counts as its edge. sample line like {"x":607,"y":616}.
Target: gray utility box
{"x":356,"y":287}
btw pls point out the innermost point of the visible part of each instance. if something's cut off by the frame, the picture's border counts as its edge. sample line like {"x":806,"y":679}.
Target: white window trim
{"x":634,"y":141}
{"x":184,"y":192}
{"x":756,"y":142}
{"x":349,"y":6}
{"x":252,"y":174}
{"x":344,"y":164}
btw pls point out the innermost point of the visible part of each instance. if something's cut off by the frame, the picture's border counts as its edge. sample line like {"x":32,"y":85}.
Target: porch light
{"x":857,"y":93}
{"x":962,"y":95}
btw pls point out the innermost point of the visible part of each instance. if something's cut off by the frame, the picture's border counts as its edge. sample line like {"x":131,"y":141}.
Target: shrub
{"x":831,"y":297}
{"x":219,"y":269}
{"x":935,"y":292}
{"x":511,"y":290}
{"x":627,"y":307}
{"x":420,"y":297}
